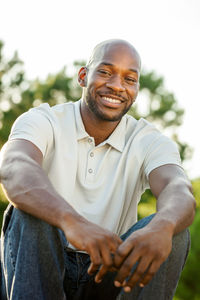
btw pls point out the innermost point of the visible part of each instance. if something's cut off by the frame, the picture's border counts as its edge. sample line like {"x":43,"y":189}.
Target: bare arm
{"x":27,"y":186}
{"x":175,"y":201}
{"x":29,"y":189}
{"x":151,"y":245}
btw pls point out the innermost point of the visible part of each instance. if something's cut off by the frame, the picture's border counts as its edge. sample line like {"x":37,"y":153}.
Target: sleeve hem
{"x":162,"y":164}
{"x":30,"y":139}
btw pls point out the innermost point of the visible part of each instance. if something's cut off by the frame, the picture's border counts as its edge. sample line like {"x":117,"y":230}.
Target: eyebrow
{"x":111,"y":65}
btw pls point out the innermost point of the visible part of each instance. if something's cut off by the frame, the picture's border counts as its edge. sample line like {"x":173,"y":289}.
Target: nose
{"x":115,"y":84}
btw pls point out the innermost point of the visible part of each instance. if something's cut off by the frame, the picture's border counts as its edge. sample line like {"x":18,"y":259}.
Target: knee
{"x":181,"y":246}
{"x":26,"y":223}
{"x":21,"y":226}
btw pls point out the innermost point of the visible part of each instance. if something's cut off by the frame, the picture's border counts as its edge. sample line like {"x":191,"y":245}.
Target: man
{"x":74,"y":174}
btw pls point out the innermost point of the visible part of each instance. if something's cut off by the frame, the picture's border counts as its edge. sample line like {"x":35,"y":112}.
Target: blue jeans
{"x":37,"y":264}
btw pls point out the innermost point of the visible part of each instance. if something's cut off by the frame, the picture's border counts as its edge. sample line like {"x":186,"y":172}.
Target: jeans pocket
{"x":6,"y":218}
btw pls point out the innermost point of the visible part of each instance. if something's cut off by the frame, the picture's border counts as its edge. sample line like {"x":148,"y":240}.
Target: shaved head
{"x":110,"y":81}
{"x":100,"y":49}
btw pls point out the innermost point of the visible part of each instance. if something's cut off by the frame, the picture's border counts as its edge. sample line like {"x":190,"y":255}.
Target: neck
{"x":100,"y":130}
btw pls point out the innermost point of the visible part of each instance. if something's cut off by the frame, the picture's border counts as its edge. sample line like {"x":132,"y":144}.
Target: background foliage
{"x":17,"y":95}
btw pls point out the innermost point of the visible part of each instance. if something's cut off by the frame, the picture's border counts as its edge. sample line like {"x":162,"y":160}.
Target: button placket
{"x":90,"y":161}
{"x":91,"y":164}
{"x":90,"y":140}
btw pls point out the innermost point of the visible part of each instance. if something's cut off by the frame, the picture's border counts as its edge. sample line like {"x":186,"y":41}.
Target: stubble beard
{"x":93,"y":107}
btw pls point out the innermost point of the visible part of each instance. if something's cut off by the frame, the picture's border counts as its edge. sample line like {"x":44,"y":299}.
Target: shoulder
{"x":145,"y":138}
{"x":46,"y":114}
{"x":57,"y":110}
{"x":142,"y":130}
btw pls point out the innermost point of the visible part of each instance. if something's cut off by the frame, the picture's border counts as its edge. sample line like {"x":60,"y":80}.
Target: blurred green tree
{"x":12,"y":83}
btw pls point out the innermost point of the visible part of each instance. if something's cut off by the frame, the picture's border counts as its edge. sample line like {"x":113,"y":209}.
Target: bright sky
{"x":51,"y":34}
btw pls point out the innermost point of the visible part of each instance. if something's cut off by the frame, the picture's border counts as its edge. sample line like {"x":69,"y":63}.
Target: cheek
{"x":94,"y":86}
{"x":133,"y":92}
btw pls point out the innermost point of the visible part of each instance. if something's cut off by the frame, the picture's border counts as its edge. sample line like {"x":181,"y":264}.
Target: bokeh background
{"x":43,"y":44}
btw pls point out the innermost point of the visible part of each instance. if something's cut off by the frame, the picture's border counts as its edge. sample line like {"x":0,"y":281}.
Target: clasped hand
{"x":149,"y":249}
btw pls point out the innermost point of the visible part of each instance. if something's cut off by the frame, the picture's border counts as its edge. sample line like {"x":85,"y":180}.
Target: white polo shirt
{"x":103,"y":183}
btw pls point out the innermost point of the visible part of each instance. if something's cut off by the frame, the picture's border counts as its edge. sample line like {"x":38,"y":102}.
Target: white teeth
{"x":111,"y":100}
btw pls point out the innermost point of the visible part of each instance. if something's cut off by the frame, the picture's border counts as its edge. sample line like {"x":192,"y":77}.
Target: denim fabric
{"x":38,"y":265}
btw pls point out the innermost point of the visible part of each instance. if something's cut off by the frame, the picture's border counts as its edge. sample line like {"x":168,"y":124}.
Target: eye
{"x":105,"y":72}
{"x":131,"y":80}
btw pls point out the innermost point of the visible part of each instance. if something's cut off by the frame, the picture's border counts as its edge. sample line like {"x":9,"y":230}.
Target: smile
{"x":111,"y":100}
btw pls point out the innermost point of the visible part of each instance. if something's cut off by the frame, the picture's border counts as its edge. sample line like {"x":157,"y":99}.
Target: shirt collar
{"x":81,"y":133}
{"x":116,"y":139}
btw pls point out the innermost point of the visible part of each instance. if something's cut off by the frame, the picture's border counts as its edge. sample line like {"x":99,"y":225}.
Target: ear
{"x":82,"y":77}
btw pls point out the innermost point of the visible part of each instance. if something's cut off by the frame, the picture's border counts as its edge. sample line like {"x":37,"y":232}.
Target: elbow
{"x":191,"y":200}
{"x":12,"y":174}
{"x":5,"y":170}
{"x":6,"y":177}
{"x":193,"y":209}
{"x":191,"y":197}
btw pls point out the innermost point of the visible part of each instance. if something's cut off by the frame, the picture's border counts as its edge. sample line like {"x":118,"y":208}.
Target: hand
{"x":99,"y":243}
{"x":149,"y":248}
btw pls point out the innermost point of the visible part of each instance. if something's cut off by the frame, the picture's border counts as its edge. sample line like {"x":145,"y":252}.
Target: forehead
{"x":119,"y":55}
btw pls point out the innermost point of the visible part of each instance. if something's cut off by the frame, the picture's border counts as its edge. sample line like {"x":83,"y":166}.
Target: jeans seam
{"x":188,"y":247}
{"x":13,"y":262}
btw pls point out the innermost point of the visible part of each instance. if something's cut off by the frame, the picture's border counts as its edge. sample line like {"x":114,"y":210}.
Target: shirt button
{"x":91,"y":154}
{"x":90,"y":171}
{"x":90,"y":140}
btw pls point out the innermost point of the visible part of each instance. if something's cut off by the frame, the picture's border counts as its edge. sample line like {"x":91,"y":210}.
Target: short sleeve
{"x":161,"y":152}
{"x":34,"y":127}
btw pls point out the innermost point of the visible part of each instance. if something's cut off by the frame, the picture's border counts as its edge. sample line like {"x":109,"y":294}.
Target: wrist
{"x":69,"y":219}
{"x":163,"y":224}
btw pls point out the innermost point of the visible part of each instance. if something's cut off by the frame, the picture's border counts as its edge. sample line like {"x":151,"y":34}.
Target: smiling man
{"x":74,"y":174}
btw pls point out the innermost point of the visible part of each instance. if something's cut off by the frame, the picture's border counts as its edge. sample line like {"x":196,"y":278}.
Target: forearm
{"x":29,"y":189}
{"x":175,"y":207}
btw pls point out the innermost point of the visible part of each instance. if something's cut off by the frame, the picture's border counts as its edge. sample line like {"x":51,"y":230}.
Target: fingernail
{"x":98,"y":280}
{"x":124,"y":283}
{"x":141,"y":285}
{"x":127,"y":289}
{"x":117,"y":283}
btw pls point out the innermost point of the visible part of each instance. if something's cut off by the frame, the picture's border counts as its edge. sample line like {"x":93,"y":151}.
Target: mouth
{"x":112,"y":102}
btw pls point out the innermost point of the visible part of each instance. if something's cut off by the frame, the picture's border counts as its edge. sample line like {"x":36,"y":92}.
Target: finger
{"x":96,"y":261}
{"x":101,"y":273}
{"x":93,"y":269}
{"x":139,"y":273}
{"x":114,"y":243}
{"x":122,"y":252}
{"x":107,"y":259}
{"x":107,"y":256}
{"x":150,"y":273}
{"x":100,"y":253}
{"x":118,"y":240}
{"x":126,"y":268}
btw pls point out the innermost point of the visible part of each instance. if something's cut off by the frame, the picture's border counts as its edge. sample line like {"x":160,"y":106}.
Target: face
{"x":111,"y":83}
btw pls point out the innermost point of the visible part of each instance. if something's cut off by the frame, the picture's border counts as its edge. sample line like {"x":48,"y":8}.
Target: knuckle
{"x":121,"y":252}
{"x":151,"y":273}
{"x":93,"y":244}
{"x":101,"y":239}
{"x":108,"y":264}
{"x":96,"y":261}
